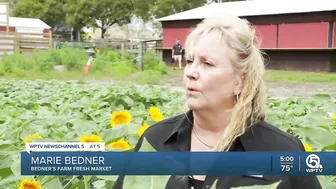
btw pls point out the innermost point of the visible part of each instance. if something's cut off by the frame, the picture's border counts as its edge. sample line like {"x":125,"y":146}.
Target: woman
{"x":224,"y":81}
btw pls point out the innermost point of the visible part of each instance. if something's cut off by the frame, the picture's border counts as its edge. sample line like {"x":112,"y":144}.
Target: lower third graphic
{"x":313,"y":163}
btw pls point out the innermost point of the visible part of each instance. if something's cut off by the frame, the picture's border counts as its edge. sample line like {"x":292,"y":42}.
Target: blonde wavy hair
{"x":239,"y":41}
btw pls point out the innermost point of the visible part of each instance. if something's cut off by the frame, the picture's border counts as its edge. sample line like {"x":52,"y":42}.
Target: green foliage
{"x":62,"y":111}
{"x":108,"y":63}
{"x":87,"y":13}
{"x":80,"y":13}
{"x":42,"y":61}
{"x":306,"y":118}
{"x":161,"y":8}
{"x":150,"y":182}
{"x":49,"y":11}
{"x":299,"y":76}
{"x":153,"y":62}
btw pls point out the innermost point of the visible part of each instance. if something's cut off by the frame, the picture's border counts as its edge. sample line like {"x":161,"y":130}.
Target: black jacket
{"x":174,"y":134}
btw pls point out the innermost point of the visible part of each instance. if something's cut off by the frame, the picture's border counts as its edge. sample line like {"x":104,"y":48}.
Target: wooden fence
{"x":123,"y":46}
{"x":128,"y":46}
{"x":11,"y":42}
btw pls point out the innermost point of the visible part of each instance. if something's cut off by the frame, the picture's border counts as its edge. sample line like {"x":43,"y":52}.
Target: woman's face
{"x":209,"y":77}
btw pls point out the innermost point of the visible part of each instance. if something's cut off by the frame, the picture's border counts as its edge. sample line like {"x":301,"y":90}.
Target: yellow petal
{"x":29,"y":184}
{"x":120,"y":144}
{"x":120,"y":117}
{"x":91,"y":138}
{"x":308,"y":148}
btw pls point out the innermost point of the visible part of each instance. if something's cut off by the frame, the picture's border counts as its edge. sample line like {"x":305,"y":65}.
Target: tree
{"x":160,"y":8}
{"x":49,"y":11}
{"x":99,"y":13}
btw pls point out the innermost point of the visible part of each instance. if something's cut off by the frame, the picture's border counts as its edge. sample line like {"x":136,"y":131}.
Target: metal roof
{"x":25,"y":23}
{"x":254,"y":8}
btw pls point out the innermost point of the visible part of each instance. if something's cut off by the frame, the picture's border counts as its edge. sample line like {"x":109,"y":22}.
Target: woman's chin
{"x":193,"y":104}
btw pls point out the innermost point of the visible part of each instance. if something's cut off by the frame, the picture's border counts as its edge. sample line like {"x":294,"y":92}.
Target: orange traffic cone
{"x":87,"y":69}
{"x":88,"y":65}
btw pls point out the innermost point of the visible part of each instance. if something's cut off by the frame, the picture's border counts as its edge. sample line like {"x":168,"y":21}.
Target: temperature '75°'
{"x":286,"y":167}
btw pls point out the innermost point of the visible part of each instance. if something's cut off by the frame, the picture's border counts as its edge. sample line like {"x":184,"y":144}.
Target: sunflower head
{"x":29,"y":184}
{"x":91,"y":138}
{"x":142,"y":129}
{"x":120,"y":117}
{"x":155,"y":114}
{"x":334,"y":117}
{"x":308,"y":148}
{"x":121,"y":145}
{"x":29,"y":138}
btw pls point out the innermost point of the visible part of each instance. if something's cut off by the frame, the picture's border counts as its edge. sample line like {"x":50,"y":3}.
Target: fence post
{"x":141,"y":66}
{"x":122,"y":49}
{"x":16,"y":42}
{"x":50,"y":39}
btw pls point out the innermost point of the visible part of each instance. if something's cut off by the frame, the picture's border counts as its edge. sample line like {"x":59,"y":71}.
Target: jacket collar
{"x":181,"y":133}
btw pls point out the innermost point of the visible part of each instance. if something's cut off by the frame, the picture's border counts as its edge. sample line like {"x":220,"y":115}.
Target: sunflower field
{"x":57,"y":111}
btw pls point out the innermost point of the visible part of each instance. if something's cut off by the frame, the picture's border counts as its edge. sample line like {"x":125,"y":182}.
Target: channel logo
{"x":313,"y":163}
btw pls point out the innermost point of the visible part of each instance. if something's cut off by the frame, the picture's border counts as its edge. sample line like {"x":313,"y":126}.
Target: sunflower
{"x":120,"y":144}
{"x":155,"y":114}
{"x":35,"y":135}
{"x":142,"y":129}
{"x":29,"y":184}
{"x":334,"y":117}
{"x":120,"y":117}
{"x":91,"y":138}
{"x":308,"y":148}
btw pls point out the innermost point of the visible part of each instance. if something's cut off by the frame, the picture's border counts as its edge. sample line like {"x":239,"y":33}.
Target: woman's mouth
{"x":191,"y":91}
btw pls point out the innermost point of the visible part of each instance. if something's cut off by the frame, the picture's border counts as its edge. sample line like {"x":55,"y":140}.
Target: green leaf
{"x":16,"y":167}
{"x":327,"y":182}
{"x":99,"y":184}
{"x":146,"y":146}
{"x":320,"y":135}
{"x":325,"y":98}
{"x":214,"y":184}
{"x":115,"y":133}
{"x":150,"y":182}
{"x":330,"y":148}
{"x":109,"y":178}
{"x":128,"y":100}
{"x":77,"y":185}
{"x":53,"y":184}
{"x":10,"y":179}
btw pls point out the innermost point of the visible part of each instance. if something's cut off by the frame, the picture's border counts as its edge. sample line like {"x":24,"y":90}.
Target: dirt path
{"x":275,"y":89}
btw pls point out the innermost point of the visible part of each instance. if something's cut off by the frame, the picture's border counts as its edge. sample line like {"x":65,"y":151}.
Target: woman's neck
{"x":211,"y":121}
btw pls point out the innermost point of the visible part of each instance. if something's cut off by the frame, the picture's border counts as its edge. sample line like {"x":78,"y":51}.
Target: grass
{"x":108,"y":65}
{"x":145,"y":77}
{"x":39,"y":66}
{"x":284,"y":76}
{"x":151,"y":77}
{"x":301,"y":77}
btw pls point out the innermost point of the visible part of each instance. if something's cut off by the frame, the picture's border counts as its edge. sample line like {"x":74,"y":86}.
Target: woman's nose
{"x":191,"y":71}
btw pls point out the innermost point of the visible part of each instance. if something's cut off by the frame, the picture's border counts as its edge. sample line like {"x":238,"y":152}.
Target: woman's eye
{"x":189,"y":61}
{"x":208,"y":64}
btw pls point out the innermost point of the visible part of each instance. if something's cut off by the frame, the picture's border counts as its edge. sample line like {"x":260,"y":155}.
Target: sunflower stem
{"x":65,"y":186}
{"x":86,"y":182}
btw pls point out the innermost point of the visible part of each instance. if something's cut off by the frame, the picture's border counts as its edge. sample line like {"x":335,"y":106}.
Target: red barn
{"x":296,"y":35}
